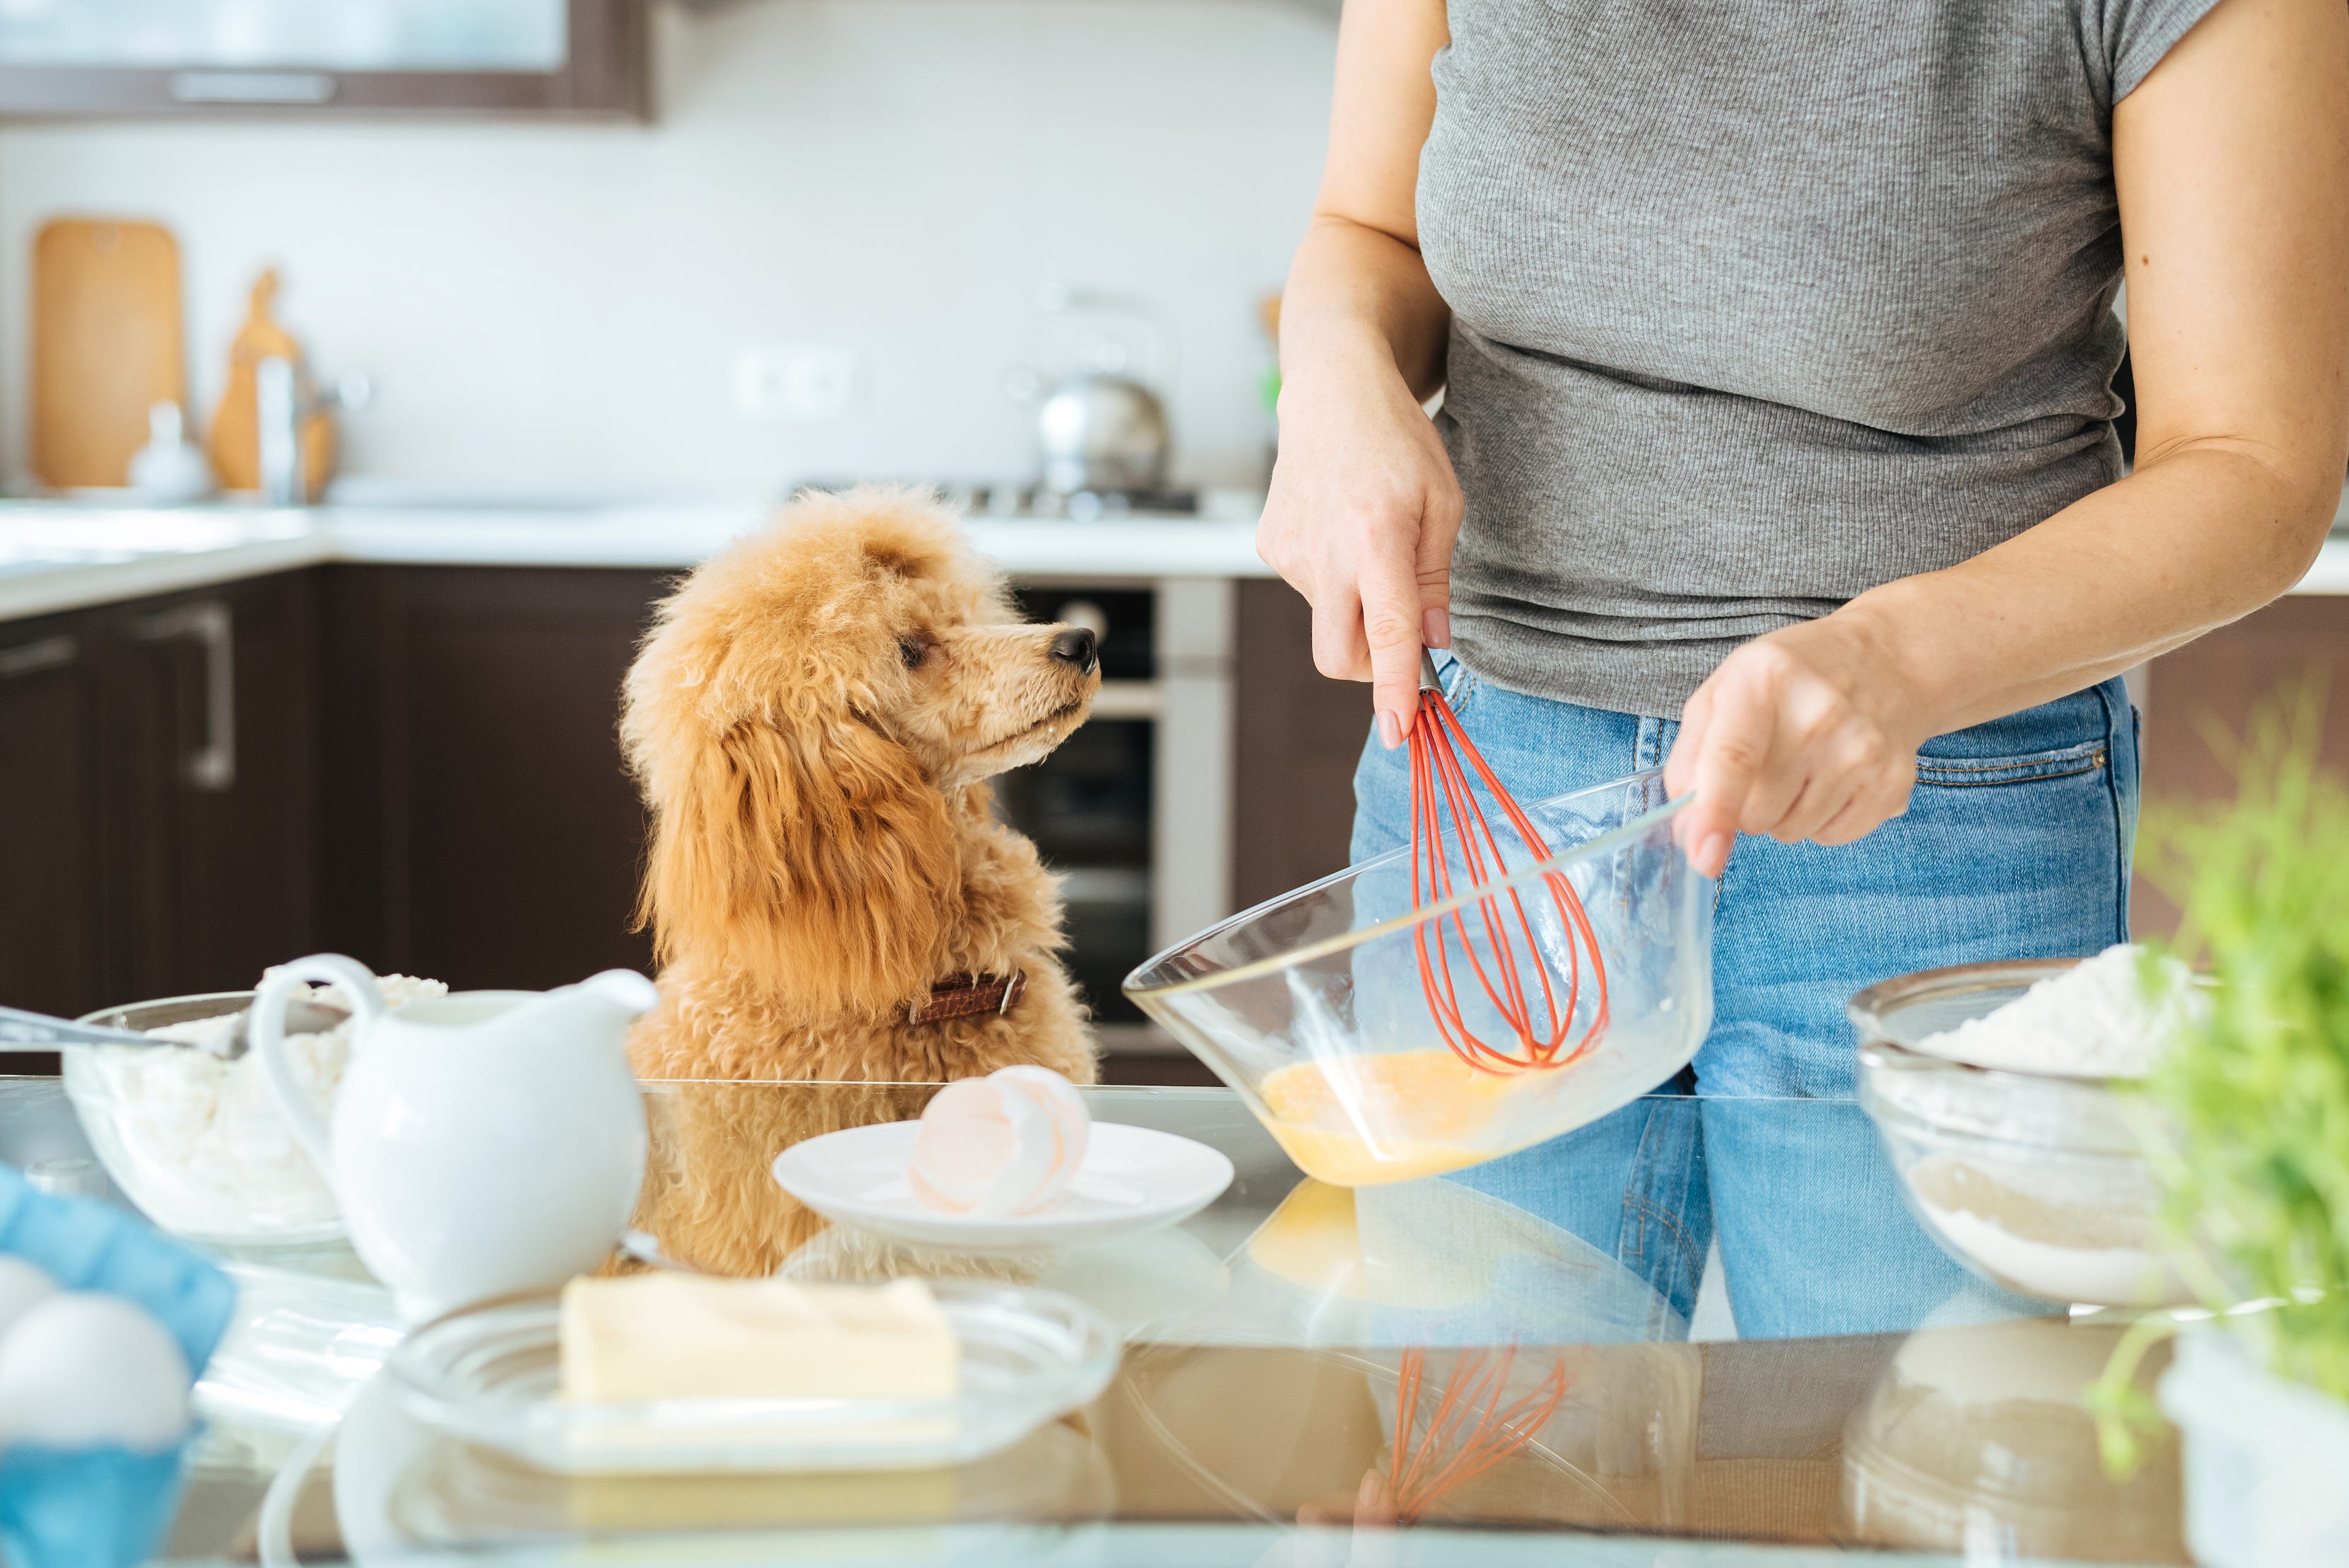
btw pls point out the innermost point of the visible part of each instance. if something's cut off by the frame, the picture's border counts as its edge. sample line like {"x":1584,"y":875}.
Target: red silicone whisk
{"x":1490,"y":930}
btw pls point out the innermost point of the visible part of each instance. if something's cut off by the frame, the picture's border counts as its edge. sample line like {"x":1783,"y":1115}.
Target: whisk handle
{"x":1428,"y":680}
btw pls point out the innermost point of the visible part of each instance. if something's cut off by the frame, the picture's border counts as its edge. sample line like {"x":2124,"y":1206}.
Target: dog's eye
{"x":916,"y":651}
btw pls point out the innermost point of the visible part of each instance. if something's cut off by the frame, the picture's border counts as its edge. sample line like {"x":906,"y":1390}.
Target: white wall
{"x":560,"y":306}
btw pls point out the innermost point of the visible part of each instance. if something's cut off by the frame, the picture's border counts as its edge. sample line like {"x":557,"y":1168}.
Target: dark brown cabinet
{"x":52,"y":918}
{"x":1300,"y":736}
{"x":480,"y":828}
{"x":158,"y":788}
{"x":209,"y":786}
{"x":2221,"y":677}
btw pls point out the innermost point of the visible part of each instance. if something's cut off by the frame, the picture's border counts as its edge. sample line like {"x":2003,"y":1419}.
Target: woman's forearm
{"x":2197,"y":537}
{"x":1812,"y":732}
{"x":1359,"y":298}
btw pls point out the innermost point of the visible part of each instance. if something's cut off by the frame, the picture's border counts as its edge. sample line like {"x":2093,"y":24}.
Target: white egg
{"x":21,"y":1284}
{"x":85,"y":1370}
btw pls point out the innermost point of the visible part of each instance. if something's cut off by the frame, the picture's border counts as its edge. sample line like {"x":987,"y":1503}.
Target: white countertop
{"x":61,"y":556}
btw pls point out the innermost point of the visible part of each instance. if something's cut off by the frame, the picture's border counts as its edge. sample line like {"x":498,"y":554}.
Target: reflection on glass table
{"x":1302,"y":1361}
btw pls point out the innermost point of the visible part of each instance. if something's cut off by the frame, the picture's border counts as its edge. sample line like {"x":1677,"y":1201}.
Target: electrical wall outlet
{"x":798,"y":381}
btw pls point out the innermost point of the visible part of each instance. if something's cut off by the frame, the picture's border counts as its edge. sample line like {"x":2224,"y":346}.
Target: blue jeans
{"x":2016,"y":845}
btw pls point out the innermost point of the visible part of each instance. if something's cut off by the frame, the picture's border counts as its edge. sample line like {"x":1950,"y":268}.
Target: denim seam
{"x":2120,"y":849}
{"x":2087,"y":764}
{"x":2028,"y":760}
{"x":1675,"y":1233}
{"x":2088,"y":750}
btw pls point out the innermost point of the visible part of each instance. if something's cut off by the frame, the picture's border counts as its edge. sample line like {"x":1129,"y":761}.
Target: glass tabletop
{"x":1713,"y":1317}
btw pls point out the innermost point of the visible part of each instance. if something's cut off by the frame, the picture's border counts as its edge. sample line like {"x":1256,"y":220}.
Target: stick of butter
{"x":669,"y":1335}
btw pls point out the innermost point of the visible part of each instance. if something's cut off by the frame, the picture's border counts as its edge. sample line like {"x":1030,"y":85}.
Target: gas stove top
{"x":998,"y":500}
{"x":1080,"y":505}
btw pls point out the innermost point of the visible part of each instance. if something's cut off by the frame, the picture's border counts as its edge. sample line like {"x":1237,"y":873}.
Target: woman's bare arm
{"x":1363,"y":507}
{"x":1357,"y":282}
{"x":2233,"y":164}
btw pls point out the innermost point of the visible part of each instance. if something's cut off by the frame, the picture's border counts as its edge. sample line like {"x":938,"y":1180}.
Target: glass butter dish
{"x":490,"y":1376}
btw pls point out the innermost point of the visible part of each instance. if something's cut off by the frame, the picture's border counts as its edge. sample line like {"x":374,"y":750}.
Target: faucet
{"x":277,"y":420}
{"x":279,"y":410}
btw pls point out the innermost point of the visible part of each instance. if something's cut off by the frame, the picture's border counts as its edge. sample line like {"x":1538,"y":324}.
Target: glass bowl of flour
{"x":1994,"y":1087}
{"x":194,"y":1135}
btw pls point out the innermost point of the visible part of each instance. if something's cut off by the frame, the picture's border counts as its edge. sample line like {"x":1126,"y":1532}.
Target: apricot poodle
{"x":814,"y":719}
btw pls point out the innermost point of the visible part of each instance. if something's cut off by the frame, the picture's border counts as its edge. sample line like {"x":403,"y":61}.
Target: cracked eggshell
{"x":1060,"y":1097}
{"x":987,"y":1147}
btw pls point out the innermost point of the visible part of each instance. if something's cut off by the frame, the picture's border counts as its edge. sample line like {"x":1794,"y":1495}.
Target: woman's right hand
{"x":1361,"y":520}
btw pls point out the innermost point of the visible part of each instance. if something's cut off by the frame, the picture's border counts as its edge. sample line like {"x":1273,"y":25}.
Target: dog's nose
{"x":1077,"y":646}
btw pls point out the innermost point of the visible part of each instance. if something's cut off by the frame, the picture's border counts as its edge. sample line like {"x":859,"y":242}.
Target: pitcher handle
{"x":266,"y":1031}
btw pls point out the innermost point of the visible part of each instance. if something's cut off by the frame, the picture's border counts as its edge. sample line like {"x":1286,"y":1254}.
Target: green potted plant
{"x":2249,"y":1136}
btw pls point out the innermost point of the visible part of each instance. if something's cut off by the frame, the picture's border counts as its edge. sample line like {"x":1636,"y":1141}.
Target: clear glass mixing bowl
{"x":2038,"y":1183}
{"x":1312,"y":1005}
{"x":195,"y":1141}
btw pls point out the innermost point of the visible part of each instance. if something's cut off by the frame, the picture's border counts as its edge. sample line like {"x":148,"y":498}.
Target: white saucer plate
{"x":1132,"y":1180}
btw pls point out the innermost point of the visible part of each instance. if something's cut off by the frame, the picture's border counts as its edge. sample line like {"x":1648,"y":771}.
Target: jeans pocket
{"x":1977,"y":773}
{"x":1460,"y":685}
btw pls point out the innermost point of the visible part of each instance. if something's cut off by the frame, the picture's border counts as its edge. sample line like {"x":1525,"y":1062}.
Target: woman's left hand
{"x":1808,"y":733}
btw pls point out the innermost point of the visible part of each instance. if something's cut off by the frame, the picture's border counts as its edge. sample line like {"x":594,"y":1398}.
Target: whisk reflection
{"x":1469,"y":1432}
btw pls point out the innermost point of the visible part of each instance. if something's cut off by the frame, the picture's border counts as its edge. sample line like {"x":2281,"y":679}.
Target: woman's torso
{"x":1759,"y":304}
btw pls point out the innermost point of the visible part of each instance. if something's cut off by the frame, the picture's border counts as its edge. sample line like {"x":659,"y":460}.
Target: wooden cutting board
{"x":107,"y":344}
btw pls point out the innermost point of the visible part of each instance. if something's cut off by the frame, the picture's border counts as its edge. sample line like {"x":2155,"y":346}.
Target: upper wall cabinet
{"x":112,"y":58}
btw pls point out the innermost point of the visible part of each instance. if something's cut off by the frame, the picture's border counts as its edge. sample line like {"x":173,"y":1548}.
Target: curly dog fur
{"x":813,"y":721}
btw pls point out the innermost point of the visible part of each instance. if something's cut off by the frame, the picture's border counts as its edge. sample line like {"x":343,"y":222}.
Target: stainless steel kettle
{"x":1102,"y":432}
{"x":1100,"y":428}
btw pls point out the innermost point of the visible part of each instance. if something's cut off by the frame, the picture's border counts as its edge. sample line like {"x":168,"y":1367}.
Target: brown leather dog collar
{"x":962,"y":995}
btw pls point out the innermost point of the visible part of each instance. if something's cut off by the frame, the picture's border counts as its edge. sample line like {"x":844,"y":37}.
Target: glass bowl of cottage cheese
{"x":1998,"y":1090}
{"x":193,"y":1137}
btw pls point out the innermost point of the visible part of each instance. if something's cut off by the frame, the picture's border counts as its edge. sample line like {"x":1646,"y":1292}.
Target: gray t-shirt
{"x":1758,"y":304}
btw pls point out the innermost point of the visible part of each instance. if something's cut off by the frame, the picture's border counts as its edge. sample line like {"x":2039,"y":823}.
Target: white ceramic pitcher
{"x":486,"y":1143}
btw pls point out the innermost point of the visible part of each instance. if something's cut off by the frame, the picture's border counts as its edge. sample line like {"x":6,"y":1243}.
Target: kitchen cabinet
{"x":52,"y":927}
{"x":481,"y":827}
{"x":114,"y":57}
{"x":2221,"y":676}
{"x":209,"y":797}
{"x":157,"y":765}
{"x":1300,"y":736}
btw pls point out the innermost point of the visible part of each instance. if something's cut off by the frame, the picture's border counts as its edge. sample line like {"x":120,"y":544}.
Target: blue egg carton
{"x":102,"y":1508}
{"x":91,"y":1507}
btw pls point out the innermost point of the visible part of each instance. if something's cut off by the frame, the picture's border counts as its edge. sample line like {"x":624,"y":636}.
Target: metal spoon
{"x":19,"y":1028}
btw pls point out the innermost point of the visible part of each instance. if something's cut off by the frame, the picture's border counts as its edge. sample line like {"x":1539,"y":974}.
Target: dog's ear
{"x":809,"y":850}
